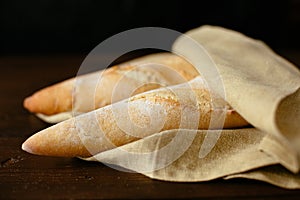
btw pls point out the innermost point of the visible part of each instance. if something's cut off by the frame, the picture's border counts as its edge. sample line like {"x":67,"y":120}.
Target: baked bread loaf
{"x":188,"y":105}
{"x":55,"y":103}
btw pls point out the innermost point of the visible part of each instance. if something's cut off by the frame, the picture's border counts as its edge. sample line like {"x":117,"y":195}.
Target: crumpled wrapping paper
{"x":262,"y":87}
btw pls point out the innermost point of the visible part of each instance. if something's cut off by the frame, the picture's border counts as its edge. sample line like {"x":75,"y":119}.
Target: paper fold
{"x":259,"y":84}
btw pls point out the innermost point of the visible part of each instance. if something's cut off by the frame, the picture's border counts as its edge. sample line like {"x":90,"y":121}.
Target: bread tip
{"x":27,"y":103}
{"x":26,"y":147}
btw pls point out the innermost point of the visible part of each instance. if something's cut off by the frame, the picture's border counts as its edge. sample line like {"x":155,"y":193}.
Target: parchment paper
{"x":263,"y":88}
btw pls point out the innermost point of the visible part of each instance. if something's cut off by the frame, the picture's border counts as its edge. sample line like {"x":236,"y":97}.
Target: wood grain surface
{"x":25,"y":176}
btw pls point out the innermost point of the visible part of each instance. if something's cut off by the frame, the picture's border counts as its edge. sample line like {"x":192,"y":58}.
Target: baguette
{"x":55,"y":103}
{"x":141,"y":115}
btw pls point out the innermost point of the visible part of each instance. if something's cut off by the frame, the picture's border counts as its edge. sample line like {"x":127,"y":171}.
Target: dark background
{"x":69,"y":26}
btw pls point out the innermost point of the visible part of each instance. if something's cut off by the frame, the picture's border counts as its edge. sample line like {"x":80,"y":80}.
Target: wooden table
{"x":27,"y":176}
